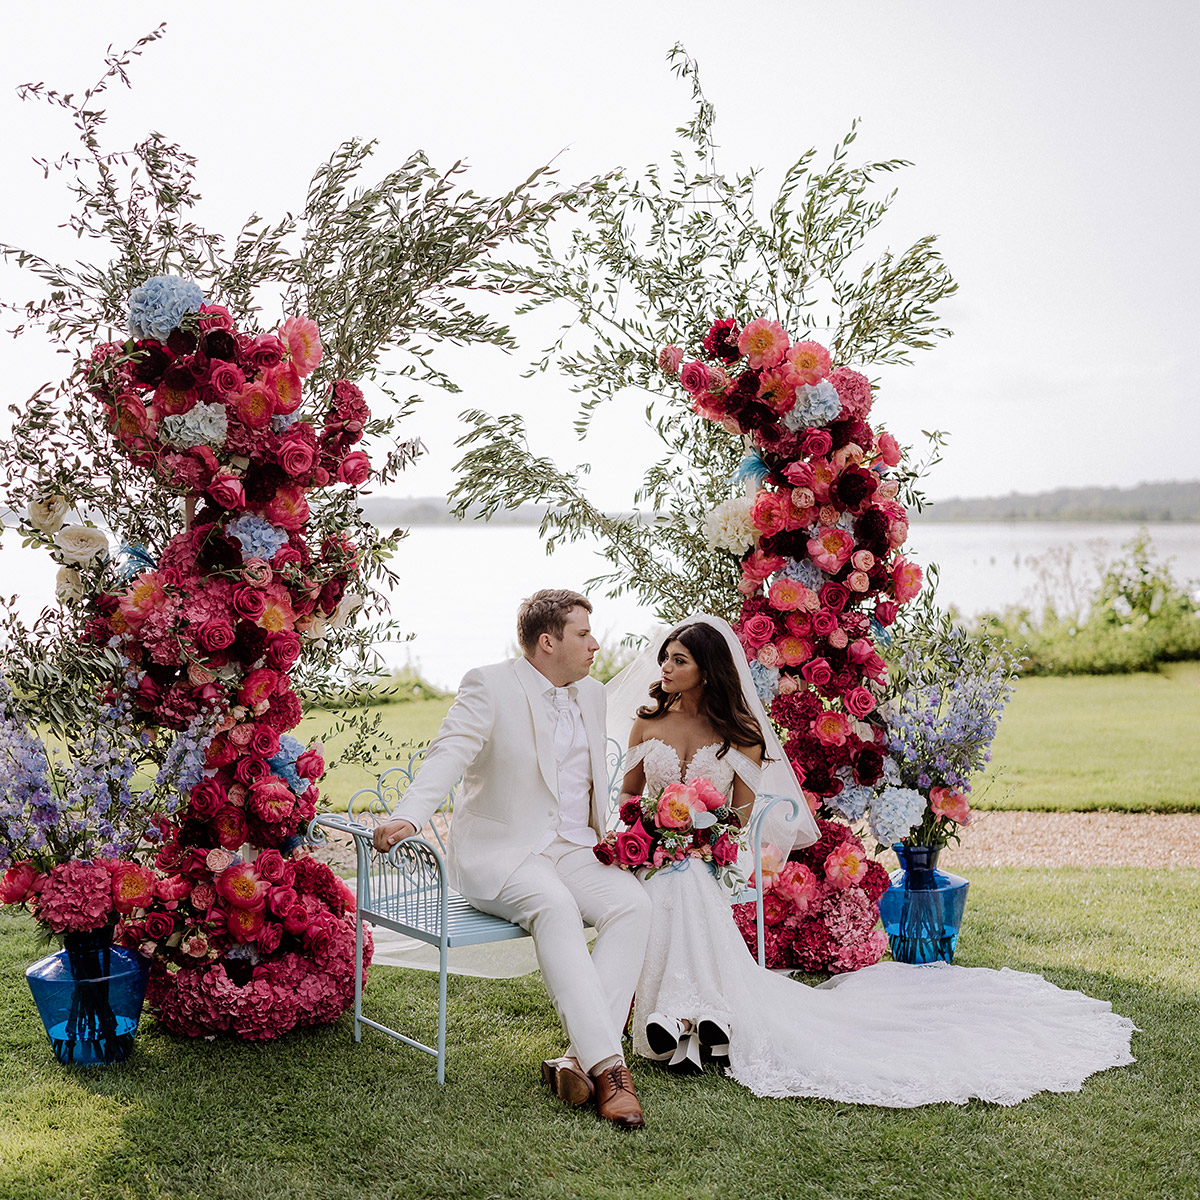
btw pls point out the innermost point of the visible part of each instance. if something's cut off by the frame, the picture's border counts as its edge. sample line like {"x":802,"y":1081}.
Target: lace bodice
{"x":662,"y":765}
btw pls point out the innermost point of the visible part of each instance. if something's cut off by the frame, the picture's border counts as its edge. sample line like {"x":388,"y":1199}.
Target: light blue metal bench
{"x":405,"y":890}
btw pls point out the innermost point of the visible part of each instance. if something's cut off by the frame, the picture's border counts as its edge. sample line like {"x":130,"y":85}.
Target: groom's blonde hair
{"x":547,"y":612}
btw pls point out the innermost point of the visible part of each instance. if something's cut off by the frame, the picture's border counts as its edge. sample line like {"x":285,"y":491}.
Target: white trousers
{"x":552,"y":894}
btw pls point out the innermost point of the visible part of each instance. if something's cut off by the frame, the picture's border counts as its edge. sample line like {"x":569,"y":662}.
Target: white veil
{"x":628,"y":690}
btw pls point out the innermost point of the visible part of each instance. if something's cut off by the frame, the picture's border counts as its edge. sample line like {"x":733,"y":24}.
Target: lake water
{"x":462,"y":584}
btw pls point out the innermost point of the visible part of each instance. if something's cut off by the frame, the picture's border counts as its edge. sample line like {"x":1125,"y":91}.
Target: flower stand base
{"x":922,"y":911}
{"x":89,"y":997}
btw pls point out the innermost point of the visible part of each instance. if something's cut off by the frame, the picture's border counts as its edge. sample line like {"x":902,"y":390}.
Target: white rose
{"x":728,"y":526}
{"x":68,"y":586}
{"x":80,"y":543}
{"x":351,"y":603}
{"x":46,"y":515}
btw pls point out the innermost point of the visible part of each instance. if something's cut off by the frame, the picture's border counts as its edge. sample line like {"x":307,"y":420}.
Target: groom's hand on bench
{"x":390,"y":832}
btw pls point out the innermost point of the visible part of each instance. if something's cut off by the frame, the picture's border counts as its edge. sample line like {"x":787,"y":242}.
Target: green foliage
{"x":1135,"y":618}
{"x":384,"y":268}
{"x":655,"y":259}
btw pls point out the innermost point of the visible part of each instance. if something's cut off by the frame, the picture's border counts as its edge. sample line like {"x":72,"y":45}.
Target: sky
{"x":1054,"y":146}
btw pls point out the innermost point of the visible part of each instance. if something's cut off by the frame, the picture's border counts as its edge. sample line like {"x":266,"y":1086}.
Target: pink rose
{"x":824,"y":623}
{"x":838,"y":639}
{"x":817,"y":671}
{"x":311,"y":764}
{"x":799,"y":474}
{"x":248,"y":602}
{"x":633,"y":846}
{"x":859,"y":702}
{"x":724,"y":850}
{"x":297,"y":452}
{"x":816,"y":443}
{"x":283,"y":649}
{"x":768,"y":655}
{"x":269,"y":937}
{"x":226,"y":379}
{"x":886,"y":611}
{"x":282,"y":900}
{"x":227,"y":491}
{"x":219,"y":859}
{"x":214,"y":635}
{"x":206,"y":799}
{"x":158,"y":925}
{"x":265,"y":742}
{"x":858,"y":581}
{"x":758,"y":630}
{"x":694,"y":377}
{"x":269,"y":864}
{"x":264,"y":352}
{"x":355,"y":469}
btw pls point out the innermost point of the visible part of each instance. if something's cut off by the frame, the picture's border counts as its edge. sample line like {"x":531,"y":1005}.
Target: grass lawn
{"x":315,"y":1115}
{"x":1123,"y":742}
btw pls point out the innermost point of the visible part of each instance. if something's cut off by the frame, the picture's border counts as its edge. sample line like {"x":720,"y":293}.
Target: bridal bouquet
{"x":688,"y":820}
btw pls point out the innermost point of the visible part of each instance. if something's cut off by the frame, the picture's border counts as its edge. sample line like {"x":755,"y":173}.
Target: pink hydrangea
{"x":75,"y":897}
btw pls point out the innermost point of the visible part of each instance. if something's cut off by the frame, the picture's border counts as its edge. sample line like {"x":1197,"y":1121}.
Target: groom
{"x":528,"y":738}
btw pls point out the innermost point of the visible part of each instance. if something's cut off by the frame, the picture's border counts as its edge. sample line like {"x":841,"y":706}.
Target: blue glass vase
{"x":89,"y":996}
{"x":923,"y":909}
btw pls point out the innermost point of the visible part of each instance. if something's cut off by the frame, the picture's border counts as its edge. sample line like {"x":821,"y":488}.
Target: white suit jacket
{"x":499,"y":737}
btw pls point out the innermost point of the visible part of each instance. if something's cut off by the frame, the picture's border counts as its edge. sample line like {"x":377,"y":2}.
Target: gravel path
{"x":1039,"y":839}
{"x":1069,"y":839}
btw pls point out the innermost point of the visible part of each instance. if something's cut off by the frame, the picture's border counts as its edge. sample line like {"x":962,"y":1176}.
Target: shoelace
{"x":617,"y":1074}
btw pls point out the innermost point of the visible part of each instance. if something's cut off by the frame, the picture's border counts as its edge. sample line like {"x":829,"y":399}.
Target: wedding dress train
{"x":891,"y":1035}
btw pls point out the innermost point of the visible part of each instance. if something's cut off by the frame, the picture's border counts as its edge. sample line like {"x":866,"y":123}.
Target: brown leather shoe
{"x":568,"y":1081}
{"x":616,"y":1101}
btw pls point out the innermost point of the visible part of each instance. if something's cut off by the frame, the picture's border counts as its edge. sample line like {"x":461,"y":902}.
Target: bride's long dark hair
{"x":722,"y":701}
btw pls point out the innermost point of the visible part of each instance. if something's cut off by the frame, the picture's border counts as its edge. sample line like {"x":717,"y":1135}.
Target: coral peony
{"x":764,"y":343}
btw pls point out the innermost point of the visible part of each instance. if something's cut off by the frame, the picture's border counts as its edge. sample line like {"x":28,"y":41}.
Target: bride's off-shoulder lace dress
{"x":891,"y":1034}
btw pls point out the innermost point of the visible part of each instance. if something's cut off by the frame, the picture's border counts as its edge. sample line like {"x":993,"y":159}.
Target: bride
{"x":891,"y":1034}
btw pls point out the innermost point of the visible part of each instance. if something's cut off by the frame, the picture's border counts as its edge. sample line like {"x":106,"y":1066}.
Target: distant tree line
{"x":1171,"y":501}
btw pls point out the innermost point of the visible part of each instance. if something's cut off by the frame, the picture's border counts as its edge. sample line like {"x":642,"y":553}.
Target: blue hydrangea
{"x":821,"y":400}
{"x":283,"y":421}
{"x":201,"y":425}
{"x":894,"y":814}
{"x":806,"y":572}
{"x":751,"y":469}
{"x":766,"y":681}
{"x":159,"y":305}
{"x":284,"y":764}
{"x":259,"y":538}
{"x":852,"y":801}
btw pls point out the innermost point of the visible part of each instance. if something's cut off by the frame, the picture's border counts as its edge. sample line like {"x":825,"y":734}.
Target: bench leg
{"x":358,"y":975}
{"x":441,"y":1031}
